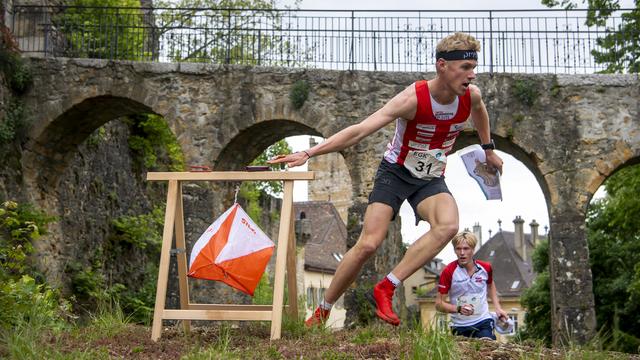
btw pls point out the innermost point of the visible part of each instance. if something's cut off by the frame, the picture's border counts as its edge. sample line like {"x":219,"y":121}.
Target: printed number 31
{"x":421,"y":167}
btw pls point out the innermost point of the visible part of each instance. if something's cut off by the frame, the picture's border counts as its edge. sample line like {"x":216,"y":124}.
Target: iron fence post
{"x":375,"y":65}
{"x":490,"y":43}
{"x":13,"y":18}
{"x":116,"y":32}
{"x":154,"y":51}
{"x":352,"y":62}
{"x":259,"y":47}
{"x":227,"y":60}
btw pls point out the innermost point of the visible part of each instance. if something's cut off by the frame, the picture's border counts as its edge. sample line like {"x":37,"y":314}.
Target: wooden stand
{"x":285,"y":254}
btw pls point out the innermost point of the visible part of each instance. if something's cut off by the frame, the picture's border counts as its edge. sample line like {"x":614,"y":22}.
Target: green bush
{"x":141,"y":231}
{"x":139,"y":303}
{"x":20,"y":225}
{"x":13,"y":123}
{"x":16,"y":72}
{"x":251,"y":194}
{"x":526,"y":91}
{"x":263,"y":295}
{"x":152,"y":139}
{"x":299,"y":93}
{"x":90,"y":283}
{"x":27,"y":303}
{"x":536,"y":299}
{"x":364,"y":308}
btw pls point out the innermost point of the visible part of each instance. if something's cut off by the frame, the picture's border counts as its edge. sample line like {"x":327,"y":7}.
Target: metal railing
{"x":534,"y":41}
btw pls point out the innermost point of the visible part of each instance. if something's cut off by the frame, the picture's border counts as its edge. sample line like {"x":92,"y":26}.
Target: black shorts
{"x":394,"y":184}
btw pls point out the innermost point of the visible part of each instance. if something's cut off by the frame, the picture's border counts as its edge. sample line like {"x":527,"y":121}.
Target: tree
{"x":621,"y":46}
{"x":252,"y":191}
{"x":219,"y":31}
{"x":614,"y":254}
{"x":224,"y":31}
{"x":537,"y":298}
{"x":614,"y":246}
{"x":279,"y":148}
{"x":102,"y":29}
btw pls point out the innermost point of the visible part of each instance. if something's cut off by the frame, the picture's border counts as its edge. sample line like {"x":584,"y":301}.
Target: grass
{"x":432,"y":344}
{"x":108,"y":334}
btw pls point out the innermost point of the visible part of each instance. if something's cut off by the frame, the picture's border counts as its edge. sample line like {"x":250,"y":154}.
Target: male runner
{"x":468,"y":282}
{"x":429,"y":115}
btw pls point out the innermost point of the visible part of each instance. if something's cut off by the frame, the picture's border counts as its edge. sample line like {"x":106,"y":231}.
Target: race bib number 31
{"x":426,"y":164}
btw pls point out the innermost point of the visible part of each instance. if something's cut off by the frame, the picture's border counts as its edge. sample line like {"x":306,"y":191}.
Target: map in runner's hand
{"x":487,"y":177}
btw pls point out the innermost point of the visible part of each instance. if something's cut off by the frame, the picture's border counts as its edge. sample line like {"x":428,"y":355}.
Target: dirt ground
{"x":253,"y":343}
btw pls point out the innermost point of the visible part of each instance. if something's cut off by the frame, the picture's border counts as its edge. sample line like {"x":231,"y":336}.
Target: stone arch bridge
{"x":572,"y":132}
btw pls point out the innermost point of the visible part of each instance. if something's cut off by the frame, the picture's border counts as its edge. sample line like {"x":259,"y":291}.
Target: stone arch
{"x":250,"y":142}
{"x":600,"y":180}
{"x":50,"y":147}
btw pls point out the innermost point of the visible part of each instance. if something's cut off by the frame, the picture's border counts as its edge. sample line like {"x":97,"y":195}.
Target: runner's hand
{"x":466,"y":309}
{"x":292,"y":160}
{"x":494,"y":160}
{"x":502,"y":315}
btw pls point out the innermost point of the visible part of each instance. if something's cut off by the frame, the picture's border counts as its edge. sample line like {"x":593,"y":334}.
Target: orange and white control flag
{"x":232,"y":250}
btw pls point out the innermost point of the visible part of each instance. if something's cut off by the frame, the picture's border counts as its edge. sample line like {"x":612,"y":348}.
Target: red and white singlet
{"x":421,"y":145}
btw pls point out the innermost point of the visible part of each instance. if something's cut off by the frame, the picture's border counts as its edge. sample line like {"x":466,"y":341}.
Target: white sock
{"x":394,"y":280}
{"x":324,"y":305}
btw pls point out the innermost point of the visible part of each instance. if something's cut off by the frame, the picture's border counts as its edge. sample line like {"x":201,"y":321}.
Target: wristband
{"x":489,"y":146}
{"x":458,"y":309}
{"x":308,"y":156}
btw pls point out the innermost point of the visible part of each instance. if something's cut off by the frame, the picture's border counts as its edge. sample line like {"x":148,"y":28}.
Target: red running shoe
{"x":383,"y":296}
{"x":319,"y":317}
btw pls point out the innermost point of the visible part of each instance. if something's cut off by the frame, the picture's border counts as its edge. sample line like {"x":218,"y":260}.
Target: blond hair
{"x":458,"y":41}
{"x":465,"y":236}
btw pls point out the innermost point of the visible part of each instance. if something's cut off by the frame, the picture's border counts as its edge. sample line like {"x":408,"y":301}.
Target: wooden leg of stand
{"x":281,"y":258}
{"x":163,"y":271}
{"x":291,"y":271}
{"x":182,"y":258}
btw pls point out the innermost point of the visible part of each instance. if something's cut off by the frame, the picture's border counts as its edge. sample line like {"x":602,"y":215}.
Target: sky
{"x":522,"y":195}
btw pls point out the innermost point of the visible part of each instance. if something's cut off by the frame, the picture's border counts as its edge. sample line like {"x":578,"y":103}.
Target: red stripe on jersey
{"x":424,"y":117}
{"x":446,"y":277}
{"x":487,"y":268}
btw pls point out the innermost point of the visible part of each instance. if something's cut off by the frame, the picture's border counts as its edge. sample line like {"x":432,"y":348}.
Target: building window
{"x":515,"y":284}
{"x":314,"y":296}
{"x":311,"y":295}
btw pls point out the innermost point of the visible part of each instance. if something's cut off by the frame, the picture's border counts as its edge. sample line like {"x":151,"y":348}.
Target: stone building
{"x":510,"y":256}
{"x":321,"y":237}
{"x":332,"y":182}
{"x":421,"y":282}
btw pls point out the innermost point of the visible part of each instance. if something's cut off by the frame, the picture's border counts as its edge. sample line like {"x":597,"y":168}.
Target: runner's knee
{"x":445,"y":232}
{"x":366,"y":247}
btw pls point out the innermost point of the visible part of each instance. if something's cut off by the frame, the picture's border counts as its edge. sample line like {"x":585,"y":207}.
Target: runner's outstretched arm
{"x":402,"y":105}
